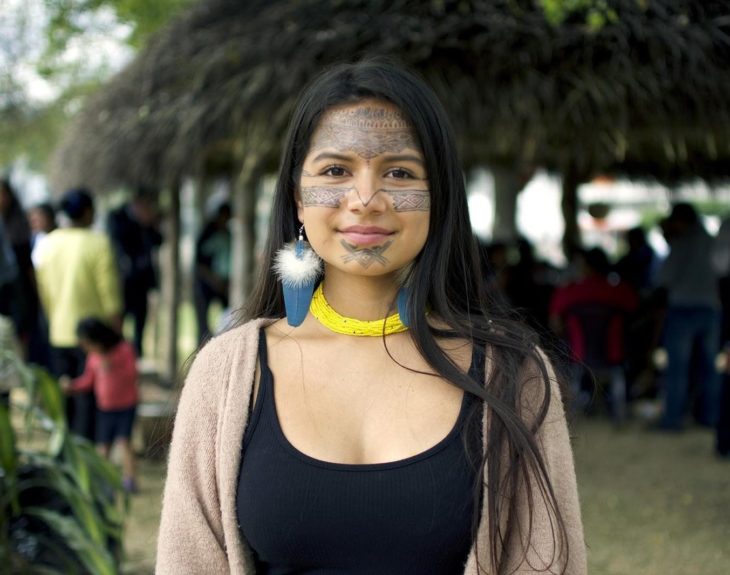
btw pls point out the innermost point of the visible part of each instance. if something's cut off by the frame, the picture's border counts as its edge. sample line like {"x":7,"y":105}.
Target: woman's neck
{"x":360,"y":297}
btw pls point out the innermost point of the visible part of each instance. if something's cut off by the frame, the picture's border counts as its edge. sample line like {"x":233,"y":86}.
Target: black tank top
{"x":306,"y":516}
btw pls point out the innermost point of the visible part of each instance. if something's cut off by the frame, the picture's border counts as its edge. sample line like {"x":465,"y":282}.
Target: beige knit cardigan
{"x":199,"y":532}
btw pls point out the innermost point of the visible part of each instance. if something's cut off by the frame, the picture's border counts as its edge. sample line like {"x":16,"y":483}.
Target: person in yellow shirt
{"x":77,"y":278}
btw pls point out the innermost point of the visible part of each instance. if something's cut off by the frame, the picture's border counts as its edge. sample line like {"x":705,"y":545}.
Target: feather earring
{"x":403,"y":307}
{"x":298,"y":269}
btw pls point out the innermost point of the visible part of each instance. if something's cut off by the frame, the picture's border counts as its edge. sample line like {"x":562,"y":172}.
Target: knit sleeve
{"x":191,"y":538}
{"x":545,"y":552}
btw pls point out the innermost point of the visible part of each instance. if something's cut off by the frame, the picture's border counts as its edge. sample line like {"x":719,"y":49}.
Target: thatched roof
{"x":645,"y":94}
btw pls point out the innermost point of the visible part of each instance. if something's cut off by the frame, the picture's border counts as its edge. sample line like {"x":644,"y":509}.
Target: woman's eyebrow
{"x":406,"y":158}
{"x":331,"y":156}
{"x":390,"y":158}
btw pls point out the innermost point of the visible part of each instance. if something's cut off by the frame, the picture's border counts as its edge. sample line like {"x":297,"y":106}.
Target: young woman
{"x":436,"y":446}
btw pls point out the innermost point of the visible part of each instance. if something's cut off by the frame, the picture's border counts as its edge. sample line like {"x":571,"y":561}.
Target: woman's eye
{"x":400,"y":173}
{"x":336,"y":171}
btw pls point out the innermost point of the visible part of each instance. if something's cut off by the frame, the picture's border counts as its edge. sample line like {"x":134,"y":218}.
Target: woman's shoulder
{"x":459,"y":348}
{"x":232,"y":341}
{"x":234,"y":349}
{"x":540,"y":387}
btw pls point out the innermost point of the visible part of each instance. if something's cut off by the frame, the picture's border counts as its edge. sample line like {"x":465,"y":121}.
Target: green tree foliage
{"x":595,"y":13}
{"x":143,"y":16}
{"x":36,"y":36}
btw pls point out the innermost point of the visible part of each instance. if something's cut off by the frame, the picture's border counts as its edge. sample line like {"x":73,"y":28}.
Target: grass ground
{"x":652,"y":504}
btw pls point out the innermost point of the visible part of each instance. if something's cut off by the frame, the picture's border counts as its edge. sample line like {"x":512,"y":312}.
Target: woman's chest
{"x":360,"y":407}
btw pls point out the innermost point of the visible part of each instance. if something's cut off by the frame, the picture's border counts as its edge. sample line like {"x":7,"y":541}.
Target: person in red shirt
{"x":111,"y":371}
{"x":590,"y":313}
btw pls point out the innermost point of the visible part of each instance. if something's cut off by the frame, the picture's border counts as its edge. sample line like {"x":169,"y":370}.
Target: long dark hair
{"x":446,"y":279}
{"x":16,"y":223}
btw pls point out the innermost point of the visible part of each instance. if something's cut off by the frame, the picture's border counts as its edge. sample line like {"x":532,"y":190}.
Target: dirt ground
{"x":652,"y":504}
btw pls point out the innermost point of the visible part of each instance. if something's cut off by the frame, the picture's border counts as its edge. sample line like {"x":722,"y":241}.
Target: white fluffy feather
{"x":294,"y":272}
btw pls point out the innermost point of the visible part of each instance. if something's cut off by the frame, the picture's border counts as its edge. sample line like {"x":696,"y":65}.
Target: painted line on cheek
{"x":410,"y":200}
{"x":323,"y":197}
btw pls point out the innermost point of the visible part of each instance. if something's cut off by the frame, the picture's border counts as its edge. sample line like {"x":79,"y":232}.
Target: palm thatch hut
{"x":645,"y":94}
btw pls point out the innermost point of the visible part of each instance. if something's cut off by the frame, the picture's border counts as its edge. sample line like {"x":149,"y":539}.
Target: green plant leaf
{"x":51,"y":397}
{"x":8,"y":458}
{"x":89,"y":486}
{"x":100,"y":468}
{"x":8,"y":454}
{"x":94,"y":557}
{"x":79,"y":468}
{"x":63,"y":564}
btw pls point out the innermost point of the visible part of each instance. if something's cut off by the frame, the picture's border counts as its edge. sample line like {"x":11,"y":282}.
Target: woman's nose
{"x":367,"y":195}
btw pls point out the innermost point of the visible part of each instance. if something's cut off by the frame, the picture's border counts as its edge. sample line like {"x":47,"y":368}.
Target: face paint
{"x":364,"y":168}
{"x":365,"y":256}
{"x":331,"y":197}
{"x":323,"y":196}
{"x":366,"y":131}
{"x":410,"y":200}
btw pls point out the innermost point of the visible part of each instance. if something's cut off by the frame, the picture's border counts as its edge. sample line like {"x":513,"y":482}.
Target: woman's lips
{"x":365,"y":235}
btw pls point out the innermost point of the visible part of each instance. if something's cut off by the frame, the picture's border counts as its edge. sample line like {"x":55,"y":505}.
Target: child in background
{"x":111,"y":370}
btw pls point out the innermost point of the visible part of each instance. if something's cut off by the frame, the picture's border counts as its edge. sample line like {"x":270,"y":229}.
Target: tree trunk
{"x":245,"y":195}
{"x":507,"y":186}
{"x":569,"y":203}
{"x":172,"y":280}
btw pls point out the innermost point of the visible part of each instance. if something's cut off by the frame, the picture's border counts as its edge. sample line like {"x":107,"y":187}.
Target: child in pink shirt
{"x":111,"y":371}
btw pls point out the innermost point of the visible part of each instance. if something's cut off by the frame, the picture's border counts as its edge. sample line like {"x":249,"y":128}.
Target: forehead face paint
{"x":366,"y":130}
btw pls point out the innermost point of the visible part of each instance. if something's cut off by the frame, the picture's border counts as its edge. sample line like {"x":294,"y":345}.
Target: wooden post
{"x":569,"y":203}
{"x":172,"y":300}
{"x":245,"y":195}
{"x":507,"y":186}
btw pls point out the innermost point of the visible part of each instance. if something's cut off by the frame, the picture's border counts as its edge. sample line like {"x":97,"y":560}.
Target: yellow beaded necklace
{"x":333,"y":321}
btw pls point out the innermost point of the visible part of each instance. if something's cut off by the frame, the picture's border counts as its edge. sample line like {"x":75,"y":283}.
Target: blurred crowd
{"x":68,"y":286}
{"x":635,"y":329}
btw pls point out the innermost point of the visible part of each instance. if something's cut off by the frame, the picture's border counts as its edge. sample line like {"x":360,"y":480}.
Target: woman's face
{"x":363,"y":195}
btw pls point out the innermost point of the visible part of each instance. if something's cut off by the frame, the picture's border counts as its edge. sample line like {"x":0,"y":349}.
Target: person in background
{"x":111,"y":372}
{"x":692,"y":323}
{"x":591,"y":314}
{"x":77,"y":278}
{"x":530,"y":285}
{"x":721,"y":261}
{"x":639,"y":265}
{"x":23,"y":292}
{"x":42,"y":218}
{"x":212,"y":267}
{"x":8,"y":273}
{"x":134,"y":231}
